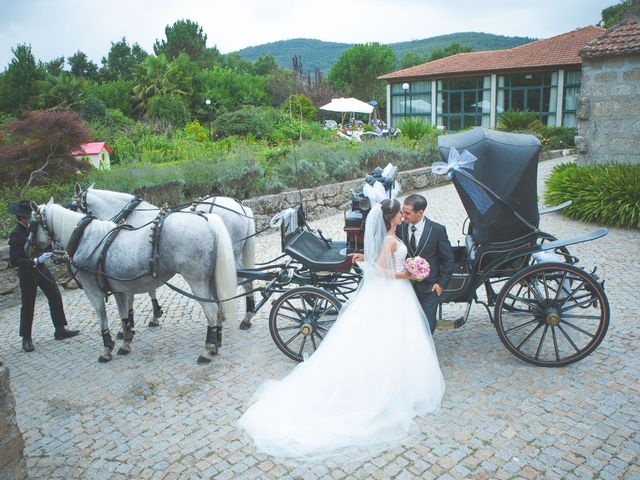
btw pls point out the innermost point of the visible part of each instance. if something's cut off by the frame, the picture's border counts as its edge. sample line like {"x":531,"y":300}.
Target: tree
{"x":18,"y":83}
{"x":184,"y":36}
{"x":55,"y":67}
{"x":299,"y":105}
{"x":412,"y":59}
{"x":81,"y":66}
{"x":62,"y":91}
{"x":168,"y":111}
{"x":39,"y":147}
{"x":279,"y":86}
{"x":229,"y":89}
{"x":265,"y":65}
{"x":451,"y":49}
{"x":613,"y":14}
{"x":116,"y":94}
{"x":356,"y":71}
{"x":120,"y":60}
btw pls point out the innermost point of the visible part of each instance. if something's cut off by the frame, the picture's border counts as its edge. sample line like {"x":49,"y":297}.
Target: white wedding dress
{"x":372,"y":374}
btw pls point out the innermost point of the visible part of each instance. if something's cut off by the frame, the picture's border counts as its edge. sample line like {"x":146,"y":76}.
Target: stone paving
{"x":156,"y":414}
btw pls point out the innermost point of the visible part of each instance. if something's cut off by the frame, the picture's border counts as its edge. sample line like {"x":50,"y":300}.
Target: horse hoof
{"x":154,"y":323}
{"x":119,"y":336}
{"x":202,"y":360}
{"x":157,"y":314}
{"x":244,"y":325}
{"x":123,"y":351}
{"x":104,"y":359}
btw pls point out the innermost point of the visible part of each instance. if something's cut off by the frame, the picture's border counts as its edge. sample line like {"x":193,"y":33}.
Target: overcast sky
{"x":57,"y":28}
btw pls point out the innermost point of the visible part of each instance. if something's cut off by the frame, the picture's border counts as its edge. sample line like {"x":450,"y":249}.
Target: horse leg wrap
{"x":219,"y":336}
{"x":107,"y":341}
{"x":211,"y":335}
{"x":131,"y":322}
{"x":157,"y":310}
{"x":251,"y":304}
{"x":127,"y":330}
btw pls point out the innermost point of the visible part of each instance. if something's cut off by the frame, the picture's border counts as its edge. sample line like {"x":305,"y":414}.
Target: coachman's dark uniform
{"x":31,"y":277}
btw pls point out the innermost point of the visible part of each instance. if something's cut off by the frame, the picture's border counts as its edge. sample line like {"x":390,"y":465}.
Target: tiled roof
{"x":621,"y":39}
{"x":91,"y":148}
{"x":561,"y":50}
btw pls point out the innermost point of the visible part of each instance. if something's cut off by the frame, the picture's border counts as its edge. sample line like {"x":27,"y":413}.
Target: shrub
{"x":196,"y":131}
{"x":167,"y":110}
{"x":607,"y":194}
{"x":92,"y":108}
{"x":556,"y":138}
{"x":416,"y":129}
{"x":299,"y":105}
{"x":257,"y":121}
{"x":519,"y":121}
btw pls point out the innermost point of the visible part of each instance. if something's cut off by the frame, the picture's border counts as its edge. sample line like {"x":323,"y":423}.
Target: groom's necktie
{"x":412,"y":240}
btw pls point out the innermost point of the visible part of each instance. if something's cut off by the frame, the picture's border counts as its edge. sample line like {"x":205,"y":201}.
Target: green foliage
{"x":412,"y":59}
{"x":556,"y":138}
{"x":92,"y":108}
{"x":613,"y":14}
{"x":18,"y":82}
{"x":55,"y":67}
{"x":81,"y":66}
{"x":415,"y":129}
{"x":519,"y":120}
{"x":228,"y":89}
{"x":115,"y":94}
{"x":185,"y":36}
{"x":169,"y":111}
{"x":298,"y":106}
{"x":265,"y":65}
{"x":258,"y":122}
{"x":63,"y":91}
{"x":605,"y":194}
{"x":121,"y":59}
{"x":356,"y":71}
{"x":451,"y":49}
{"x":196,"y":131}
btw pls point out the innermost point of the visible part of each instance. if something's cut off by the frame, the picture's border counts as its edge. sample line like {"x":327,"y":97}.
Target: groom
{"x":427,"y":239}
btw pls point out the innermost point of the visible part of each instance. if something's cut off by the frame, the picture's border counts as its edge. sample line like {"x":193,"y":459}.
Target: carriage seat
{"x":315,"y":254}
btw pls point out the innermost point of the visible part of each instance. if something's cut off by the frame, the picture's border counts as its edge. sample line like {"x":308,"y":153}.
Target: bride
{"x":375,"y":370}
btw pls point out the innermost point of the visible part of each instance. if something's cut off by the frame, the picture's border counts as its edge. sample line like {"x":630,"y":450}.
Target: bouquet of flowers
{"x":418,"y":268}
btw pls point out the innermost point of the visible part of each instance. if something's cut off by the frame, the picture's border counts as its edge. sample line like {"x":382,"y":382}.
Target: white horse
{"x":237,"y":218}
{"x":197,"y":247}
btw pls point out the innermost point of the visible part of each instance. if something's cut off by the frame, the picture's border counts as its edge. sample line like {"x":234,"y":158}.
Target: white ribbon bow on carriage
{"x":454,"y":163}
{"x":376,"y":192}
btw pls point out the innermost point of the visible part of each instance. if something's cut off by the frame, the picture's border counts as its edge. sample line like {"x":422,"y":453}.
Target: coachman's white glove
{"x":44,"y":257}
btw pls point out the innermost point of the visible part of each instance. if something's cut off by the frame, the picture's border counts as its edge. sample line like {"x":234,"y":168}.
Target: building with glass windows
{"x":472,"y":89}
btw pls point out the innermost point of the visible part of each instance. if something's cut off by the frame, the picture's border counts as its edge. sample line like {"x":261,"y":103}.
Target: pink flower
{"x":418,"y":268}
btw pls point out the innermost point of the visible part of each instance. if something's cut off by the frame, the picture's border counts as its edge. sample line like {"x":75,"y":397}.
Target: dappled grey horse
{"x":196,"y":246}
{"x":237,"y":218}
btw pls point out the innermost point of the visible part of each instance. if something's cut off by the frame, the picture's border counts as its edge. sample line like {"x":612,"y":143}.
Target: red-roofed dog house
{"x":95,"y":152}
{"x":471,"y":89}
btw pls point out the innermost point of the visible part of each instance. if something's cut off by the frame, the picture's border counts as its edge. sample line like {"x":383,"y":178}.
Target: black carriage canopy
{"x":499,"y":190}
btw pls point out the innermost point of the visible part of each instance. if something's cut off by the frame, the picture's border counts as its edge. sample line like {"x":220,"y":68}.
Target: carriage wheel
{"x":551,"y":314}
{"x":300,"y":319}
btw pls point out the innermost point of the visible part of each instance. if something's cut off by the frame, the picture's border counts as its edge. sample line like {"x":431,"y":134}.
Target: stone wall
{"x":608,"y":110}
{"x":12,"y":464}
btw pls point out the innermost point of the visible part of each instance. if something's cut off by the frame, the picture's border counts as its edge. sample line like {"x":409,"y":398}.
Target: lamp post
{"x":405,"y":87}
{"x":208,"y":103}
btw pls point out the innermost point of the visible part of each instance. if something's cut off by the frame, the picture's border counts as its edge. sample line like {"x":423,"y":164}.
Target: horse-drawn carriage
{"x":546,"y":310}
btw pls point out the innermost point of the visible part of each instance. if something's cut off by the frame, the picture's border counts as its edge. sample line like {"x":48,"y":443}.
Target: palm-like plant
{"x":157,"y":76}
{"x":60,"y":91}
{"x":519,"y":120}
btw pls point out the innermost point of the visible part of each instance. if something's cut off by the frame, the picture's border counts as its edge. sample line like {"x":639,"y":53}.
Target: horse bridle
{"x":79,"y":202}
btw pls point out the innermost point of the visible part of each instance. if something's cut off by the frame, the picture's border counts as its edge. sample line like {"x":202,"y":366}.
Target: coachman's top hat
{"x":21,"y":209}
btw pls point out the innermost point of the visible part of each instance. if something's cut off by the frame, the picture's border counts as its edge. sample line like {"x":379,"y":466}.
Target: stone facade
{"x":12,"y":464}
{"x":609,"y":110}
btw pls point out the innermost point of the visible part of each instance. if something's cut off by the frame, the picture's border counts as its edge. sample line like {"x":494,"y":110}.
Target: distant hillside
{"x":316,"y":53}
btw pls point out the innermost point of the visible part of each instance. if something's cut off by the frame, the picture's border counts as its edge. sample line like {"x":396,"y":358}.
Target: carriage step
{"x":450,"y":324}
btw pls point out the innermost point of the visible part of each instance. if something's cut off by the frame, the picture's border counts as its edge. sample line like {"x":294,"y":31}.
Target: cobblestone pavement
{"x":156,"y":414}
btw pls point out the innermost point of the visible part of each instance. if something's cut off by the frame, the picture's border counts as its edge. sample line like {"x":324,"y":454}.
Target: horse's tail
{"x":225,"y":279}
{"x":249,"y":249}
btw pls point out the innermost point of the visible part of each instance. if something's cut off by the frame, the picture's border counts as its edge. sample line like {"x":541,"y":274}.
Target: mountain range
{"x":321,"y":54}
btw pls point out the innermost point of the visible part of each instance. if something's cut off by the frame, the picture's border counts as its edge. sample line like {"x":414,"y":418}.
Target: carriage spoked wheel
{"x":300,"y":319}
{"x":551,"y":314}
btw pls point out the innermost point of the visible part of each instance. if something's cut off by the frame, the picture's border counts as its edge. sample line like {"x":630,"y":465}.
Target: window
{"x":464,"y":102}
{"x":533,"y":91}
{"x":415,"y":102}
{"x":571,"y":94}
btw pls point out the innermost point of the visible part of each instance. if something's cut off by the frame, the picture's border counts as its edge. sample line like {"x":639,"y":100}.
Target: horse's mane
{"x":62,"y":222}
{"x":124,"y":198}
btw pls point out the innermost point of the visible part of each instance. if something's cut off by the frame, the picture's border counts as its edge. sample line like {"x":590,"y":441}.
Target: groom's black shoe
{"x":63,"y":333}
{"x":27,"y":345}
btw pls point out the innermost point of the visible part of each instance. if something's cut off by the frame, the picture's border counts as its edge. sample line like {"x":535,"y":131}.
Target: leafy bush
{"x":257,"y":121}
{"x":196,"y":131}
{"x":168,"y":110}
{"x":298,"y":106}
{"x":607,"y":194}
{"x":518,"y":121}
{"x":92,"y":108}
{"x":415,"y":129}
{"x":556,"y":138}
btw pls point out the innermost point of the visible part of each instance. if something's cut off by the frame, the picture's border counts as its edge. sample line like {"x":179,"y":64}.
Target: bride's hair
{"x":390,"y":208}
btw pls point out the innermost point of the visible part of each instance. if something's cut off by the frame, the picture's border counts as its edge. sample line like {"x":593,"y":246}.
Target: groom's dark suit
{"x":434,"y":247}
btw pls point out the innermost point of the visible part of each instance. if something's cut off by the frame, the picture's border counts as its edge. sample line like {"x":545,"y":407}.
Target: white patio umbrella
{"x":347,"y":105}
